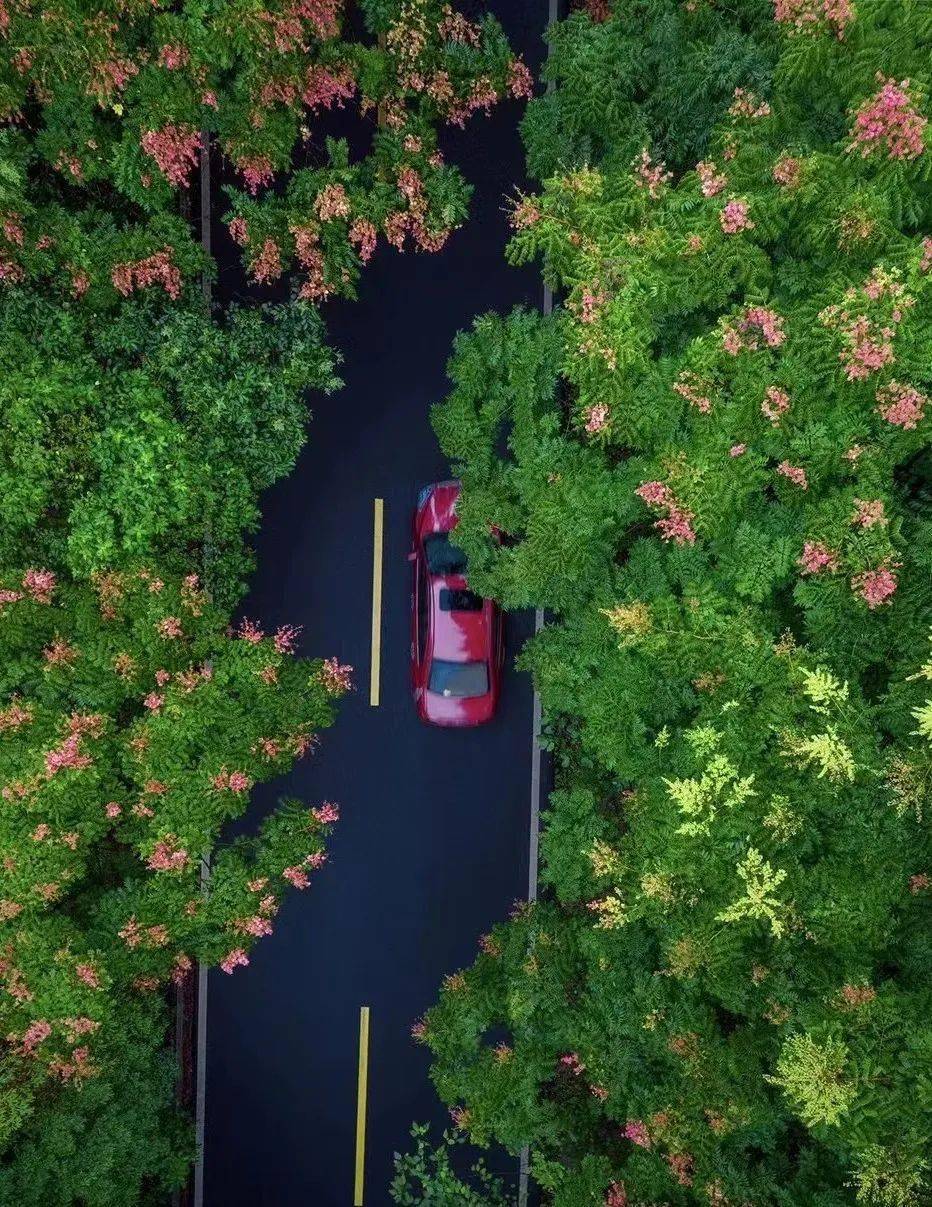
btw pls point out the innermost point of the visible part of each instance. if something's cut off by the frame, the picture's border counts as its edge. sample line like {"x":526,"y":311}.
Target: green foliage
{"x":718,"y":488}
{"x":426,"y":1176}
{"x":655,"y":73}
{"x":107,"y":412}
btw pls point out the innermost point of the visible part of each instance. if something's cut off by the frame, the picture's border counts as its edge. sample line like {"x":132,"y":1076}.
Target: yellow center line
{"x":362,"y":1089}
{"x":376,"y":665}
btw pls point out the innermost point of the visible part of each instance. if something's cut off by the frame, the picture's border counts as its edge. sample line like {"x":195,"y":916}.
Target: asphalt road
{"x":432,"y":847}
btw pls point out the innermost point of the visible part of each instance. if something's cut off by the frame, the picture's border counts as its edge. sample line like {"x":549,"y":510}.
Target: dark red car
{"x":456,"y":636}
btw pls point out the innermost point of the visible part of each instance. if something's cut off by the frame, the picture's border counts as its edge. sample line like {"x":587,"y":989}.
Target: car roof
{"x":458,"y":636}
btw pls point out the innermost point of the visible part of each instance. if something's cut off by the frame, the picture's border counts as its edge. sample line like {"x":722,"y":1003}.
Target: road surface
{"x":432,"y":847}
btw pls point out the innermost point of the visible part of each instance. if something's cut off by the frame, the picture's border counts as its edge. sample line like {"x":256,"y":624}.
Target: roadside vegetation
{"x":139,"y":427}
{"x":717,"y":483}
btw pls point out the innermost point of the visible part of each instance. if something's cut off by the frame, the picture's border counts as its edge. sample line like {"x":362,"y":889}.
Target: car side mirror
{"x":412,"y":556}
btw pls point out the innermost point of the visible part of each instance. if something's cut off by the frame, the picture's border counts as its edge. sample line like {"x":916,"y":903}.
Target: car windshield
{"x":443,"y":557}
{"x":463,"y":680}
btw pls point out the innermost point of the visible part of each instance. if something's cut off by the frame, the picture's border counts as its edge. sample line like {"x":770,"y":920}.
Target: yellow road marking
{"x":376,"y":665}
{"x":362,"y":1087}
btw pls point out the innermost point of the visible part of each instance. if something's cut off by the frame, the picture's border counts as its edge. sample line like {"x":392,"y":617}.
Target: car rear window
{"x":443,"y":557}
{"x":462,"y":600}
{"x":464,"y":680}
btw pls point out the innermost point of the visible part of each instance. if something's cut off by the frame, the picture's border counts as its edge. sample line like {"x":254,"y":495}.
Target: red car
{"x":456,"y":636}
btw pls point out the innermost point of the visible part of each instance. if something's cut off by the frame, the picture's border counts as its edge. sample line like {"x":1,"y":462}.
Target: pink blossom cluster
{"x":239,"y":231}
{"x":889,"y":123}
{"x":169,"y":628}
{"x":868,"y":513}
{"x":332,"y":202}
{"x":520,"y":80}
{"x":787,"y":171}
{"x":14,"y":715}
{"x":67,"y":756}
{"x":336,"y":677}
{"x":88,"y":974}
{"x":266,"y":264}
{"x":167,"y":856}
{"x":297,"y":876}
{"x":327,"y":813}
{"x":698,"y":393}
{"x":590,"y":304}
{"x":231,"y":781}
{"x":757,"y":324}
{"x":775,"y":405}
{"x":157,"y":269}
{"x":636,"y":1131}
{"x":681,"y":1165}
{"x":571,"y":1062}
{"x":285,"y":638}
{"x":711,"y":180}
{"x":363,"y":235}
{"x":817,"y":557}
{"x":677,"y":524}
{"x":794,"y":473}
{"x":597,"y":418}
{"x":811,"y":15}
{"x":174,"y":56}
{"x":735,"y":217}
{"x":875,"y":587}
{"x":651,"y":176}
{"x":324,"y":88}
{"x":109,"y":76}
{"x":174,"y":148}
{"x":256,"y":171}
{"x":236,"y":958}
{"x":746,"y":104}
{"x":482,"y":95}
{"x":36,"y":1033}
{"x":616,"y":1195}
{"x":902,"y":405}
{"x":39,"y":585}
{"x":926,"y":262}
{"x":311,"y":259}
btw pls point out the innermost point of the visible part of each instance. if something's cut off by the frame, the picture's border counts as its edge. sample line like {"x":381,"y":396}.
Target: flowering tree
{"x":717,"y":481}
{"x":132,"y":729}
{"x":119,"y":99}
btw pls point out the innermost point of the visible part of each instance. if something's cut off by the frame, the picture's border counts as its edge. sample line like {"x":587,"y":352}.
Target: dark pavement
{"x":432,"y":847}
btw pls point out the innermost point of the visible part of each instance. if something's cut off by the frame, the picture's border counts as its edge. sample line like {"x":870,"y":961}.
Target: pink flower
{"x":316,"y":859}
{"x":682,"y":1166}
{"x":236,"y":958}
{"x":677,"y":527}
{"x":775,"y":405}
{"x":572,"y":1062}
{"x":153,"y":701}
{"x":597,"y":417}
{"x":157,"y":269}
{"x":174,"y":56}
{"x":711,"y":180}
{"x":919,"y":883}
{"x":256,"y":171}
{"x":332,"y":202}
{"x":167,"y":856}
{"x":363,"y":235}
{"x":926,"y":262}
{"x":266,"y":265}
{"x":869,"y":512}
{"x":209,"y":99}
{"x":327,"y":813}
{"x":169,"y":627}
{"x":651,"y":176}
{"x":636,"y":1131}
{"x":175,"y":149}
{"x":889,"y":122}
{"x":817,"y":557}
{"x":746,"y":104}
{"x":324,"y":89}
{"x":616,"y":1195}
{"x":419,"y":1031}
{"x":735,"y":218}
{"x":248,"y":631}
{"x":285,"y":637}
{"x":41,"y":832}
{"x":239,"y":231}
{"x":258,"y":926}
{"x":336,"y":677}
{"x":656,"y":494}
{"x":36,"y":1033}
{"x":794,"y":473}
{"x":902,"y":405}
{"x":756,"y":323}
{"x":88,"y":974}
{"x":737,"y":450}
{"x":112,"y":809}
{"x":39,"y":584}
{"x":520,"y":80}
{"x":807,"y":16}
{"x":875,"y":587}
{"x":697,"y":392}
{"x":787,"y":172}
{"x":67,"y":756}
{"x":296,"y":876}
